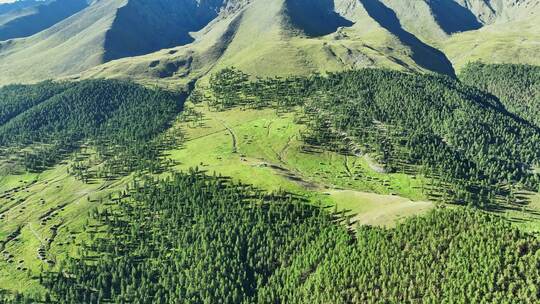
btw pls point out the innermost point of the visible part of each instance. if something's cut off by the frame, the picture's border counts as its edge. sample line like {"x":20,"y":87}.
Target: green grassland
{"x":43,"y":213}
{"x":264,"y":148}
{"x":527,"y":217}
{"x":513,"y":42}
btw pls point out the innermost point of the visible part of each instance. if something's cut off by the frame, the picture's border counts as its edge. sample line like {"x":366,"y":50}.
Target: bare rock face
{"x":493,"y":11}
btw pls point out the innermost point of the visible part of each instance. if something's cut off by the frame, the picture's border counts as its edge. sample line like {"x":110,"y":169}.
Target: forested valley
{"x":200,"y":237}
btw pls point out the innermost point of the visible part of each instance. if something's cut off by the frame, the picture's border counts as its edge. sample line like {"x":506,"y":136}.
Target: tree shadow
{"x":315,"y":18}
{"x":424,"y":55}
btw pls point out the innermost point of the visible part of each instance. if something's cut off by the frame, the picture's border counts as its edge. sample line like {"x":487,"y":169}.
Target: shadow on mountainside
{"x":452,"y":17}
{"x":45,"y":15}
{"x":424,"y":55}
{"x":143,"y":27}
{"x":315,"y":18}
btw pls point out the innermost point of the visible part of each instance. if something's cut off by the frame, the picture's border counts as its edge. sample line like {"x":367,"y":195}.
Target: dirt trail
{"x":34,"y":232}
{"x":268,"y":128}
{"x":231,"y":132}
{"x":281,"y":153}
{"x":346,"y":165}
{"x":374,"y":165}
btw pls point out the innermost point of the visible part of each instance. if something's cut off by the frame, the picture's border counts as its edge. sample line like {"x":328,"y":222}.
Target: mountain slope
{"x":106,"y":30}
{"x":33,"y":19}
{"x":14,"y":10}
{"x":17,"y":6}
{"x":286,"y":37}
{"x":142,"y":27}
{"x":177,"y":41}
{"x":515,"y":41}
{"x":497,"y":11}
{"x":72,"y":45}
{"x":293,"y":37}
{"x":423,"y":54}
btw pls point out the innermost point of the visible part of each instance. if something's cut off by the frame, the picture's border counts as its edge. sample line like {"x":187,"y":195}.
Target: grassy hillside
{"x":410,"y":123}
{"x":515,"y":41}
{"x":283,"y":38}
{"x":72,"y":45}
{"x":14,"y":10}
{"x":43,"y":213}
{"x":287,"y":38}
{"x":269,"y":38}
{"x":435,"y":21}
{"x":10,"y":10}
{"x":142,"y":27}
{"x":429,"y":21}
{"x":265,"y":149}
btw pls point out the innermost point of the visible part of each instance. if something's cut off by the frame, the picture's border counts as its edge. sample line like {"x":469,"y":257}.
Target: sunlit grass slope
{"x":513,"y":42}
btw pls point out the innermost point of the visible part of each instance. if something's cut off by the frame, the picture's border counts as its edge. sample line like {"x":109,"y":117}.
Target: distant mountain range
{"x":176,"y":41}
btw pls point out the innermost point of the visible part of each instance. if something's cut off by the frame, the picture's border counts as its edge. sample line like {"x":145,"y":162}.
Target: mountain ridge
{"x":169,"y":41}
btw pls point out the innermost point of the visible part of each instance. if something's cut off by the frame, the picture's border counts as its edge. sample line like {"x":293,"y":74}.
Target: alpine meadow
{"x":269,"y":151}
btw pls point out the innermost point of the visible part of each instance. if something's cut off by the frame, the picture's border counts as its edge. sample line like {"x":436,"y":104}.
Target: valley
{"x":269,"y":151}
{"x":256,"y":141}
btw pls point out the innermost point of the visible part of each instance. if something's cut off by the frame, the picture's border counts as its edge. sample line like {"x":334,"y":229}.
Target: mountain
{"x":105,"y":30}
{"x":31,"y":17}
{"x":11,"y":7}
{"x":269,"y":151}
{"x":287,"y":37}
{"x":176,"y":41}
{"x":515,"y":41}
